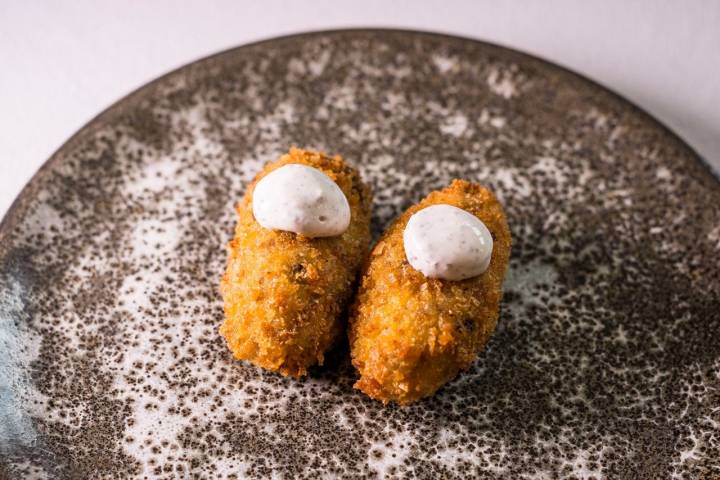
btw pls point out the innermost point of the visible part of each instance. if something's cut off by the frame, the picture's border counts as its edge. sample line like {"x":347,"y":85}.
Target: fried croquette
{"x":410,"y":334}
{"x":284,"y":293}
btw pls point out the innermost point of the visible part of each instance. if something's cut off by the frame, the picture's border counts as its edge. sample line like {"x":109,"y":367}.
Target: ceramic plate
{"x":606,"y":360}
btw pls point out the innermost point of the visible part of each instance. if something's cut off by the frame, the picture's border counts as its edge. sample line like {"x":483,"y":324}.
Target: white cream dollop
{"x":447,"y":242}
{"x":301,"y":199}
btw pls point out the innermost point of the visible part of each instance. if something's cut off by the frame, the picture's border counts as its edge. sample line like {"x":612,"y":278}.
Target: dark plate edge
{"x":116,"y":108}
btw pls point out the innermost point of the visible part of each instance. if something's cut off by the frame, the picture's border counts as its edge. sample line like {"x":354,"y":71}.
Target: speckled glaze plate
{"x":606,"y":360}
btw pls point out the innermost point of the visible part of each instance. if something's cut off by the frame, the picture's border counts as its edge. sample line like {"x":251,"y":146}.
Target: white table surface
{"x":61,"y":63}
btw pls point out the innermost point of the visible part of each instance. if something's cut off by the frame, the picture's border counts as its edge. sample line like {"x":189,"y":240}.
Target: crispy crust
{"x":410,"y":334}
{"x":284,"y":293}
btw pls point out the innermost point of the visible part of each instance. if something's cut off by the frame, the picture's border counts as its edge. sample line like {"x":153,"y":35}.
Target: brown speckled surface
{"x":606,"y":360}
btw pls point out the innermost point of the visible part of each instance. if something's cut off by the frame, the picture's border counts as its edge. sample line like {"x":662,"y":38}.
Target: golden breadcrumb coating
{"x":284,"y":293}
{"x":410,"y":334}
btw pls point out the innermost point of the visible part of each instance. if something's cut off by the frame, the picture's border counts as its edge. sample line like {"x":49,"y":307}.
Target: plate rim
{"x":13,"y":213}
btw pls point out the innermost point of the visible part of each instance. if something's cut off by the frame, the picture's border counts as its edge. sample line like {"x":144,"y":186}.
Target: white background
{"x":61,"y":63}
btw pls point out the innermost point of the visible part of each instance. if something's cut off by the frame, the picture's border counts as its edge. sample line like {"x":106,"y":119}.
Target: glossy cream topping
{"x":447,"y":242}
{"x":301,"y":199}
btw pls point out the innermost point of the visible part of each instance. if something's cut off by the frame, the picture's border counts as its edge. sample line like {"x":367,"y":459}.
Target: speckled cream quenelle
{"x":284,"y":291}
{"x":301,"y":199}
{"x":443,"y":241}
{"x":409,"y":333}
